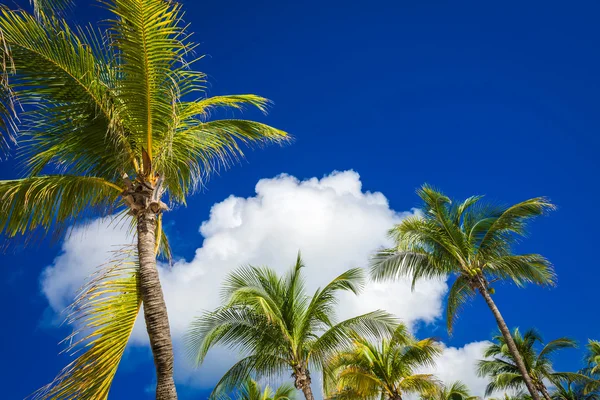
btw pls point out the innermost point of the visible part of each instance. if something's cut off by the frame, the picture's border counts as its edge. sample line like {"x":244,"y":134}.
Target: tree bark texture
{"x":512,"y":347}
{"x":155,"y":309}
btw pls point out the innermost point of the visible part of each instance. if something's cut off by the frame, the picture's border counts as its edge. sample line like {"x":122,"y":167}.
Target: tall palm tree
{"x":385,"y":369}
{"x":278,"y":326}
{"x":251,"y":390}
{"x":504,"y":372}
{"x":471,"y":241}
{"x":454,"y":391}
{"x":115,"y":122}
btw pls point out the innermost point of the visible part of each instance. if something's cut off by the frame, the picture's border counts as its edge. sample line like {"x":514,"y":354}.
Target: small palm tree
{"x":384,"y":369}
{"x":593,"y":357}
{"x":570,"y":390}
{"x":504,"y":372}
{"x":115,"y":122}
{"x":455,"y":391}
{"x":592,"y":368}
{"x":279,"y":327}
{"x":471,"y":241}
{"x":251,"y":390}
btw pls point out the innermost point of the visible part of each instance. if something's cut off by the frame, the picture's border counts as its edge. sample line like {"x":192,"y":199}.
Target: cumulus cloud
{"x":332,"y":221}
{"x":459,"y":364}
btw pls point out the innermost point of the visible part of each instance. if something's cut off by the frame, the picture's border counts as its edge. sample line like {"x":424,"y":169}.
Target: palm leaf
{"x":46,"y":201}
{"x":103,"y":315}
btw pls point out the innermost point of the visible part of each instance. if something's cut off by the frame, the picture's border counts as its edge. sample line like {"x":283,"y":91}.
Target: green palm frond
{"x":385,"y":368}
{"x":150,"y":39}
{"x":278,"y":326}
{"x":55,"y":72}
{"x":459,"y":295}
{"x":593,"y":356}
{"x":103,"y":315}
{"x":259,"y":366}
{"x":45,"y":201}
{"x":42,"y":7}
{"x":251,"y":390}
{"x":469,"y":240}
{"x":503,"y":371}
{"x":198,"y":149}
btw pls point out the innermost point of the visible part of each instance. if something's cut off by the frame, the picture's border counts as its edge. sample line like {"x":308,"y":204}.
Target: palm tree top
{"x":251,"y":390}
{"x":471,"y":239}
{"x":385,"y":368}
{"x":278,"y":326}
{"x":536,"y":355}
{"x":108,"y":113}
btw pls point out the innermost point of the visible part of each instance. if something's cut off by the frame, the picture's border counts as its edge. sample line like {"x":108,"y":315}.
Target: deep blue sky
{"x":495,"y":98}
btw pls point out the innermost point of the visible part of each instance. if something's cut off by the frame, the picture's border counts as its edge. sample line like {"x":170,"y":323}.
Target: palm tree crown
{"x":505,"y":374}
{"x":593,"y":357}
{"x":278,"y":326}
{"x":570,"y":390}
{"x":108,"y":110}
{"x":386,"y":369}
{"x":251,"y":390}
{"x":471,"y":241}
{"x":111,"y":122}
{"x":454,"y":391}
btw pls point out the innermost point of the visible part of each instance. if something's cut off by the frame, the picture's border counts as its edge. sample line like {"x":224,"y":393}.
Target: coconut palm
{"x":114,"y":123}
{"x":570,"y":390}
{"x":455,"y":391}
{"x":471,"y":241}
{"x":593,"y":357}
{"x":505,"y":374}
{"x":592,"y":368}
{"x":278,"y":326}
{"x":251,"y":390}
{"x":385,"y":369}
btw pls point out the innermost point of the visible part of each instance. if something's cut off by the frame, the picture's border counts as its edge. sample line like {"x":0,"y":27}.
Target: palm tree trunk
{"x":512,"y":347}
{"x":545,"y":392}
{"x":155,"y":310}
{"x":302,"y":382}
{"x":308,"y":394}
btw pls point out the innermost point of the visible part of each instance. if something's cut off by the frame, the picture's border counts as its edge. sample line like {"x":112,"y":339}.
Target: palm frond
{"x":459,"y":295}
{"x":150,"y":40}
{"x":257,"y":365}
{"x":64,"y":77}
{"x":41,"y":7}
{"x":103,"y":315}
{"x":376,"y":324}
{"x":52,"y":201}
{"x":199,"y":149}
{"x":522,"y":269}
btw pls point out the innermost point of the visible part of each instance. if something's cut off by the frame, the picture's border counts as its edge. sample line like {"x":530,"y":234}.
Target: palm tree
{"x":504,"y":372}
{"x":592,"y":368}
{"x":573,"y":391}
{"x":251,"y":390}
{"x":278,"y":326}
{"x":455,"y":391}
{"x":381,"y":370}
{"x":115,"y":122}
{"x":593,"y":357}
{"x":471,"y":241}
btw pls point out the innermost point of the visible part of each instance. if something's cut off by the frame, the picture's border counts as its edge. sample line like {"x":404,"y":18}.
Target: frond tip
{"x":103,"y":315}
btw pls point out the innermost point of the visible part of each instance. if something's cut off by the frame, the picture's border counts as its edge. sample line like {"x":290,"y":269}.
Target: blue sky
{"x":473,"y":97}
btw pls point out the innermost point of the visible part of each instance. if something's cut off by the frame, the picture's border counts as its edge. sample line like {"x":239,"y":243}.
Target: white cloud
{"x":83,"y":251}
{"x":331,"y":220}
{"x":459,"y":364}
